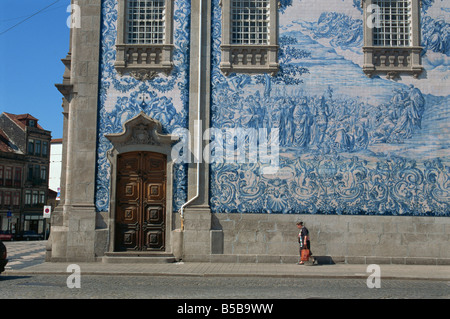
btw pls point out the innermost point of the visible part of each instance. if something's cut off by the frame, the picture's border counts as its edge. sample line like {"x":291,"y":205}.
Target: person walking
{"x":303,"y":239}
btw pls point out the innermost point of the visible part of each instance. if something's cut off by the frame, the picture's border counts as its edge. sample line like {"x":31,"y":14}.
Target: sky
{"x":31,"y":48}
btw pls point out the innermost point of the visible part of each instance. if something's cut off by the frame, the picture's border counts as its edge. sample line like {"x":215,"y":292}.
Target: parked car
{"x":31,"y":235}
{"x":4,"y":235}
{"x":3,"y":255}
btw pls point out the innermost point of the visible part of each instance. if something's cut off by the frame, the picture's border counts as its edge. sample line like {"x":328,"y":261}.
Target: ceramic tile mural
{"x":349,"y":144}
{"x":122,"y":98}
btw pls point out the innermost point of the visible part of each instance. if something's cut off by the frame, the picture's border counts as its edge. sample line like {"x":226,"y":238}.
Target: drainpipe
{"x":199,"y":128}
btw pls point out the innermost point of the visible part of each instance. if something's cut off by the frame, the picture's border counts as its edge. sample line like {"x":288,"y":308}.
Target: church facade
{"x":204,"y":130}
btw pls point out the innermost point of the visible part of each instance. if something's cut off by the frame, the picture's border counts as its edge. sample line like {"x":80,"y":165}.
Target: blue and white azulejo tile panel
{"x":123,"y":97}
{"x":349,"y":144}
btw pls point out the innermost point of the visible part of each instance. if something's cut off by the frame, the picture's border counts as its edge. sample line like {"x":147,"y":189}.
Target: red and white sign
{"x":47,"y":211}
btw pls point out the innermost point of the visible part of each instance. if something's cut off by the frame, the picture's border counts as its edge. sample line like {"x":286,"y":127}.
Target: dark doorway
{"x":141,"y":202}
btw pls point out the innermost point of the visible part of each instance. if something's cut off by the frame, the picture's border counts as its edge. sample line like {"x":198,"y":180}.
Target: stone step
{"x":138,"y":257}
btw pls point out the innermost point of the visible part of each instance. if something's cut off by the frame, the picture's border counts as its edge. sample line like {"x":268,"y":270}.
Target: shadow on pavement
{"x":6,"y":277}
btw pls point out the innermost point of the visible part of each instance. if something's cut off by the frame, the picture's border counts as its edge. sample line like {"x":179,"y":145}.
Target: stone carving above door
{"x":141,"y":130}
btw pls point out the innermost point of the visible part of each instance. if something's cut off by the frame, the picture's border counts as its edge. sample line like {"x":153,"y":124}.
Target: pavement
{"x":410,"y":272}
{"x":27,"y":258}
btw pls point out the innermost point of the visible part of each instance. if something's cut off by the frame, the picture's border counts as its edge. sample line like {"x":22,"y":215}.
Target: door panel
{"x":154,"y":192}
{"x":128,"y":164}
{"x":153,"y":164}
{"x":127,"y":237}
{"x":154,"y":239}
{"x":154,"y":215}
{"x":128,"y":189}
{"x":141,"y":200}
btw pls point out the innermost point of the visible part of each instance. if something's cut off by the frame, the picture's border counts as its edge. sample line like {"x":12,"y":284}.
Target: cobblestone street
{"x":23,"y":254}
{"x":28,"y":277}
{"x":189,"y":287}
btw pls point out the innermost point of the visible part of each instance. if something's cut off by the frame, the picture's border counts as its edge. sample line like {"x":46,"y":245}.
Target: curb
{"x":20,"y":272}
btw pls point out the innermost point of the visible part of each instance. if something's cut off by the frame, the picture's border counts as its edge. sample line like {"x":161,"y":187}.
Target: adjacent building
{"x":204,"y":130}
{"x":24,"y":169}
{"x":12,"y":168}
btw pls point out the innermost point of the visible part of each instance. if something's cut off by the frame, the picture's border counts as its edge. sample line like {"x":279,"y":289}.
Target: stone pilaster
{"x":197,"y":215}
{"x":73,"y":234}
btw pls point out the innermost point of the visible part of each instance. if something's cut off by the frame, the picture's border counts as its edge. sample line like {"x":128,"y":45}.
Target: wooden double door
{"x":140,"y":202}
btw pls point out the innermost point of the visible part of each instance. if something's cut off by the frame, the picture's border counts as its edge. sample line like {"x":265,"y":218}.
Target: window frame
{"x":148,"y":24}
{"x":7,"y":198}
{"x":37,"y":147}
{"x":17,"y":177}
{"x":44,"y":149}
{"x":37,"y":172}
{"x":35,"y":198}
{"x":43,"y":173}
{"x":392,"y":61}
{"x":249,"y":58}
{"x":16,"y":199}
{"x":143,"y":61}
{"x":30,"y":174}
{"x":28,"y":196}
{"x":8,"y":173}
{"x":241,"y":29}
{"x":30,"y":146}
{"x":42,"y":197}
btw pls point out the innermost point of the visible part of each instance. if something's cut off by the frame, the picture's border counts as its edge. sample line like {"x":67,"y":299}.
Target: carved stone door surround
{"x":141,"y":134}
